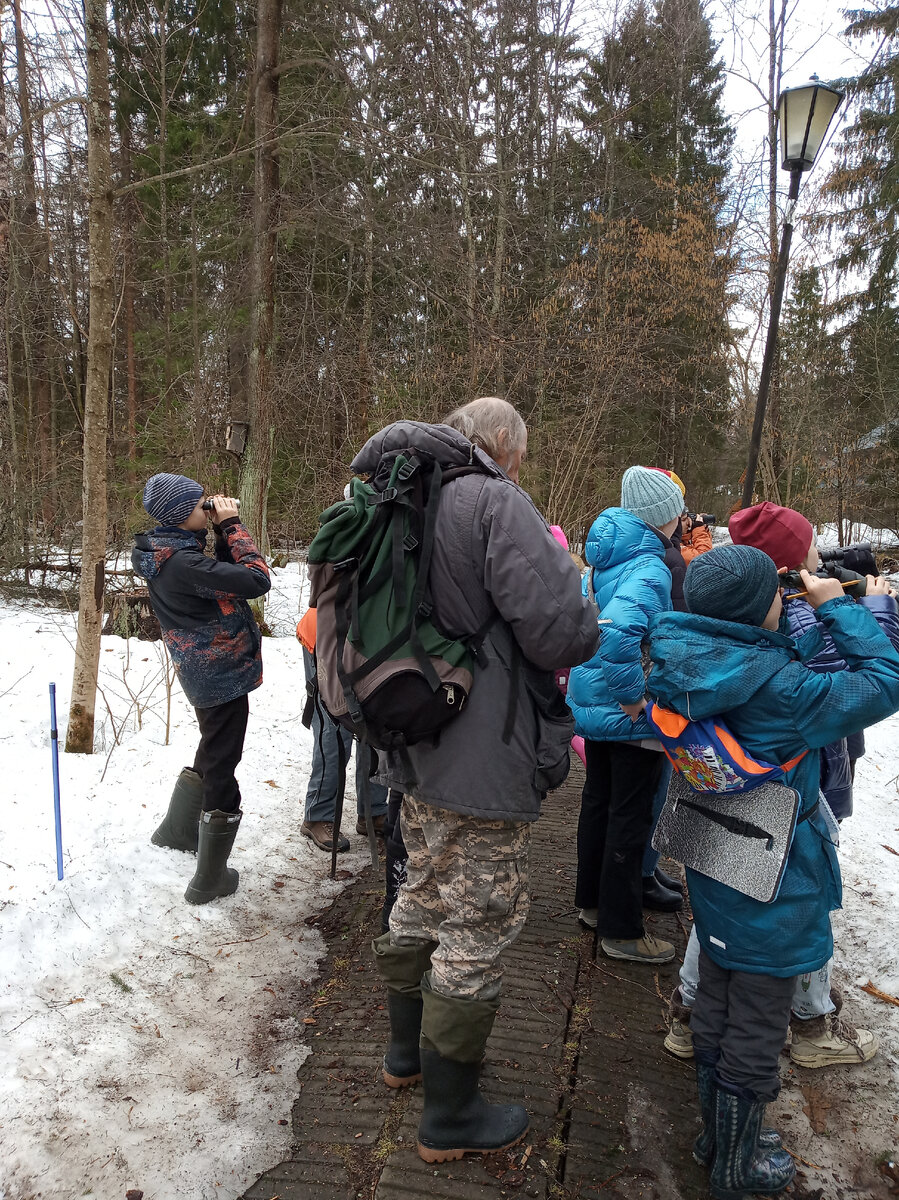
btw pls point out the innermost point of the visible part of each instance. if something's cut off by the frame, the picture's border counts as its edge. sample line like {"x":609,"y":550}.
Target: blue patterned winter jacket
{"x":632,"y":585}
{"x":201,"y":604}
{"x":776,"y":707}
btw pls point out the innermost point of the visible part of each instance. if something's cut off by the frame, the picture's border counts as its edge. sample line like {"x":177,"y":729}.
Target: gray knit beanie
{"x":170,"y":499}
{"x":731,"y":583}
{"x":651,"y":495}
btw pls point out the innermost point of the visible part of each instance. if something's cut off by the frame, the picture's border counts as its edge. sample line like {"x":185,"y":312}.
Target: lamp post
{"x":804,"y":114}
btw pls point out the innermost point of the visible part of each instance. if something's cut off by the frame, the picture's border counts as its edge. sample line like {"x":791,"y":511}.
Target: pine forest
{"x":235,"y":240}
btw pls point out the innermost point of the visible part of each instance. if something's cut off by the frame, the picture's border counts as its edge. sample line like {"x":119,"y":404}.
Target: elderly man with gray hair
{"x":471,"y":795}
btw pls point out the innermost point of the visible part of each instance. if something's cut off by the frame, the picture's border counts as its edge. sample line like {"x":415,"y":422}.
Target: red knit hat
{"x":783,"y":533}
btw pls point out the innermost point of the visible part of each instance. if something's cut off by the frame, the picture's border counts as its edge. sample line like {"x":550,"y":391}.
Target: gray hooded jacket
{"x":494,"y":554}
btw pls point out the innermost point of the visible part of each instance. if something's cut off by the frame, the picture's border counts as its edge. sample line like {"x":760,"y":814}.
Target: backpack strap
{"x":730,"y":822}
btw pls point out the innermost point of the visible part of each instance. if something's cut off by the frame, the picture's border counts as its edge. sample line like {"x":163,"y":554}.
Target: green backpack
{"x":385,"y":671}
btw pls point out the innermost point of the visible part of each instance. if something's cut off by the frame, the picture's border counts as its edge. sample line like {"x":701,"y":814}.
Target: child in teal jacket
{"x":725,"y":658}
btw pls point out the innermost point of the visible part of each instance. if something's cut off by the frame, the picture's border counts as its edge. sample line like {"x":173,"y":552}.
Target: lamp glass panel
{"x":826,"y":103}
{"x":801,"y":137}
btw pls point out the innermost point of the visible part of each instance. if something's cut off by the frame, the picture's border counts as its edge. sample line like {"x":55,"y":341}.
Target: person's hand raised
{"x":223,"y":508}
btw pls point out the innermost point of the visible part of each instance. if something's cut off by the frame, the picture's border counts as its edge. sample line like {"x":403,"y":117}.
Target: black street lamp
{"x":804,"y":114}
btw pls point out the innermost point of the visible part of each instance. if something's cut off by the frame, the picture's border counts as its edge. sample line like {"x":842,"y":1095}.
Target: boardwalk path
{"x":578,"y":1040}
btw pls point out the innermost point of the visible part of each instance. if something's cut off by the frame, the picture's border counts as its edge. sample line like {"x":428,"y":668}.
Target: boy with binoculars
{"x":215,"y":644}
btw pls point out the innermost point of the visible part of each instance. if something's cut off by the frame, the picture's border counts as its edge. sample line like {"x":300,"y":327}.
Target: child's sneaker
{"x":646,"y":949}
{"x":679,"y":1039}
{"x":830,"y":1041}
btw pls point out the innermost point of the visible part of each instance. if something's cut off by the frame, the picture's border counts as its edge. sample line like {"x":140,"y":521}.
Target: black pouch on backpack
{"x":385,"y":670}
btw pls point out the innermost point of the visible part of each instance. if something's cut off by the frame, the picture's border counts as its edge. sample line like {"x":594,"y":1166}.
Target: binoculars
{"x":208,"y":505}
{"x":853,"y":580}
{"x":857,"y":557}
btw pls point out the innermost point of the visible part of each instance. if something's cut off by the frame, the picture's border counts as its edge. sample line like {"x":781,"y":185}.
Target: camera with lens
{"x":702,"y":518}
{"x":209,"y":505}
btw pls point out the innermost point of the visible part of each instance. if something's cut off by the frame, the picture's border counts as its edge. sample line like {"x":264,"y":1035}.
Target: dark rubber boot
{"x":740,"y":1166}
{"x":668,"y":881}
{"x":704,"y":1146}
{"x":213,"y":877}
{"x":402,"y":1062}
{"x":660,"y":899}
{"x":456,"y":1119}
{"x":401,"y":968}
{"x":179,"y":827}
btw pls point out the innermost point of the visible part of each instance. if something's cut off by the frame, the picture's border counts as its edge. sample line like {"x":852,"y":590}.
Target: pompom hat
{"x":651,"y":495}
{"x":170,"y":499}
{"x":783,"y":533}
{"x":731,"y":583}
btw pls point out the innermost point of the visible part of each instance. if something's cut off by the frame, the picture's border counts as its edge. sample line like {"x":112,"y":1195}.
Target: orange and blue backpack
{"x":707,"y":755}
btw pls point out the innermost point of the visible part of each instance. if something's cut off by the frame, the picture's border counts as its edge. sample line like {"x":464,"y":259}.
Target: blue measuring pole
{"x":54,"y":750}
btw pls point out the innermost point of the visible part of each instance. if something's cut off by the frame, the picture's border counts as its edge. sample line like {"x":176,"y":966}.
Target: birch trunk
{"x":80,"y":734}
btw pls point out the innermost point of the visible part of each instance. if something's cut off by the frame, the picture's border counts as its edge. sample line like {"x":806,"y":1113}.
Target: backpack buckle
{"x":383,"y":497}
{"x":408,"y":469}
{"x":425,"y":609}
{"x":346,"y":564}
{"x":410,"y":542}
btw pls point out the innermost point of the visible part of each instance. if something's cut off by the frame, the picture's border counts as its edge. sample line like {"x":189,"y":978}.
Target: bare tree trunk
{"x":80,"y":735}
{"x":501,"y":193}
{"x":6,"y":349}
{"x":257,"y":471}
{"x":38,"y":267}
{"x":129,"y":266}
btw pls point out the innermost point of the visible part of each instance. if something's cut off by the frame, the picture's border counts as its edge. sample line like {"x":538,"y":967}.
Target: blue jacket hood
{"x":703,"y":667}
{"x":617,"y":536}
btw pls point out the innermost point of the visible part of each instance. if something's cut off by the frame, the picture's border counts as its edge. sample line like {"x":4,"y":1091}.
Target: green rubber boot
{"x":401,"y":968}
{"x":179,"y":827}
{"x":456,"y":1119}
{"x":213,"y":877}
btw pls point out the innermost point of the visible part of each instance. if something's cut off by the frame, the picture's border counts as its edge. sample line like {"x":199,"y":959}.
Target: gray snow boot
{"x":213,"y":877}
{"x":704,"y":1146}
{"x":740,"y":1166}
{"x":179,"y":827}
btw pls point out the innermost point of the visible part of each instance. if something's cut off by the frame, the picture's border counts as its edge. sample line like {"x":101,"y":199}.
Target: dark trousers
{"x":739,"y":1023}
{"x":395,"y":855}
{"x":222,"y":731}
{"x":615,"y":820}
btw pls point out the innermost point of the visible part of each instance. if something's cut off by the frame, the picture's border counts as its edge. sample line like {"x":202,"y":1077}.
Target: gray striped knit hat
{"x":170,"y":499}
{"x":651,"y":495}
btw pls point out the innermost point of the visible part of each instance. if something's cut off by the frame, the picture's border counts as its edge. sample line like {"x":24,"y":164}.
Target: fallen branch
{"x":878,"y":994}
{"x":805,"y":1162}
{"x":241,"y":941}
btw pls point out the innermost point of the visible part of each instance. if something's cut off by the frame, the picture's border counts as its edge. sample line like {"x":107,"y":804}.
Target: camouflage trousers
{"x":466,"y":889}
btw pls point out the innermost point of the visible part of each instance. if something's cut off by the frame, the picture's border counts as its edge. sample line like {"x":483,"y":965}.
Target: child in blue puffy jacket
{"x":726,"y":657}
{"x":215,"y":645}
{"x":625,"y":551}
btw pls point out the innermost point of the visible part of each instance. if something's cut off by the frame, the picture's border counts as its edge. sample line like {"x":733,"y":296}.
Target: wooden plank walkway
{"x":578,"y":1040}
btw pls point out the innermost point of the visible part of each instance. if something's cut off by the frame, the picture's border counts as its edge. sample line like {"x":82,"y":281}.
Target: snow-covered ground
{"x":145,"y":1043}
{"x":148,"y":1044}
